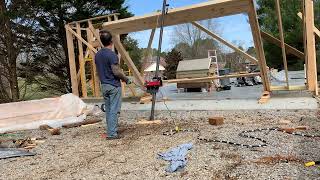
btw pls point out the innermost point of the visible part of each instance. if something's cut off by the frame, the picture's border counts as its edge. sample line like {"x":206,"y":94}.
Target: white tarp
{"x":278,"y":76}
{"x":54,"y":112}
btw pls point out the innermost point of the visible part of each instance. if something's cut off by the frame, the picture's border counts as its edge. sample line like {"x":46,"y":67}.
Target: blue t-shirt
{"x":104,"y":59}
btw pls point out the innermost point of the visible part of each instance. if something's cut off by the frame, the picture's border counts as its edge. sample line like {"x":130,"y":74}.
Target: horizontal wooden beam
{"x":201,"y":11}
{"x":220,"y":39}
{"x":208,"y":79}
{"x":95,"y":18}
{"x":290,"y":88}
{"x":315,"y":29}
{"x":289,"y":49}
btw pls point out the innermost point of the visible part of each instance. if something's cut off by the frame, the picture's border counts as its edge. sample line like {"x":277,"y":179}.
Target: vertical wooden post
{"x":284,"y":56}
{"x":72,"y":62}
{"x":258,"y":45}
{"x":94,"y":68}
{"x":310,"y":49}
{"x":148,"y":54}
{"x":92,"y":82}
{"x":82,"y":65}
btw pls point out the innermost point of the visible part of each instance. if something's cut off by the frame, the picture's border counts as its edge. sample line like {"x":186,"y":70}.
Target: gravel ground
{"x":81,"y":153}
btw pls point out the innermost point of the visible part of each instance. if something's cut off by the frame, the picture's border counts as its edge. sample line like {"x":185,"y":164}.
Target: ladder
{"x":212,"y":55}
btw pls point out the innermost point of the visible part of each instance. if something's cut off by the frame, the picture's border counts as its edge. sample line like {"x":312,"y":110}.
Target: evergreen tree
{"x":172,"y":59}
{"x":292,"y":26}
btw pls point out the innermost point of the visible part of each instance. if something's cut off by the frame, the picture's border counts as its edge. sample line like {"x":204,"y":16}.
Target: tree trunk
{"x":11,"y":52}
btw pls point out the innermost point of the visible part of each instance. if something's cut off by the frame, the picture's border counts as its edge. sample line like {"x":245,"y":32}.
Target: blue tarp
{"x":176,"y":156}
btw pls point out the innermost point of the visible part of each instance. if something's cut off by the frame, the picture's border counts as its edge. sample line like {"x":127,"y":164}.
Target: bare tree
{"x":192,"y":42}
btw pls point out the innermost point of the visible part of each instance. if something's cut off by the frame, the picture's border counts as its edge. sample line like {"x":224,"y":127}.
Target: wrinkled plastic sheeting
{"x":13,"y":152}
{"x":54,"y":112}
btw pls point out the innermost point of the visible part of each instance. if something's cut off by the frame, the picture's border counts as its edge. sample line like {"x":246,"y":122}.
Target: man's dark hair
{"x":105,"y":37}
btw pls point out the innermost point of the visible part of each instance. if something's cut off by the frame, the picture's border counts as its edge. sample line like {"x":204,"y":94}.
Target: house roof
{"x":195,"y":64}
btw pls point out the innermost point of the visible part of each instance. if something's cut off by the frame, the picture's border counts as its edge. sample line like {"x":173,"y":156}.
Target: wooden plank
{"x":82,"y":65}
{"x":310,"y":46}
{"x":283,"y":48}
{"x":72,"y":62}
{"x":148,"y":55}
{"x":94,"y":73}
{"x":95,"y":34}
{"x":254,"y":24}
{"x":285,"y":88}
{"x":81,"y":39}
{"x":208,"y":79}
{"x":264,"y":97}
{"x":289,"y":49}
{"x":94,"y":18}
{"x":215,"y":36}
{"x":133,"y":91}
{"x":197,"y":12}
{"x":128,"y":60}
{"x":315,"y":29}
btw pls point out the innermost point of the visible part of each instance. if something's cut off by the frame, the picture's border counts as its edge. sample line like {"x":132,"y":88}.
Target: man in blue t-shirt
{"x":110,"y":76}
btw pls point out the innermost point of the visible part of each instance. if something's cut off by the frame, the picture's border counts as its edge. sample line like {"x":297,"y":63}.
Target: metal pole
{"x":154,"y":94}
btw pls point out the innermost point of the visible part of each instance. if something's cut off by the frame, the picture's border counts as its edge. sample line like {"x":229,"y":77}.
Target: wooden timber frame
{"x":198,"y":12}
{"x":83,"y":36}
{"x":192,"y":14}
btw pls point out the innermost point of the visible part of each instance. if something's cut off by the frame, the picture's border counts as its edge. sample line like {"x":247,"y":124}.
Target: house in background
{"x":149,"y":68}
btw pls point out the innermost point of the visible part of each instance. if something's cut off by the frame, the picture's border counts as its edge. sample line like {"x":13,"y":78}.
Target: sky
{"x":233,"y":28}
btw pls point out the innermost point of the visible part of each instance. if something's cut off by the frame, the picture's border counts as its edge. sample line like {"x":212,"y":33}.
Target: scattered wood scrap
{"x":265,"y":97}
{"x":53,"y":131}
{"x":271,"y":160}
{"x":145,"y":99}
{"x":85,"y":122}
{"x":149,"y":122}
{"x":293,"y":129}
{"x":216,"y":121}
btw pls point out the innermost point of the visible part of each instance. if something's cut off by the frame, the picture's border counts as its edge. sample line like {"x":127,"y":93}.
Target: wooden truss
{"x":189,"y":14}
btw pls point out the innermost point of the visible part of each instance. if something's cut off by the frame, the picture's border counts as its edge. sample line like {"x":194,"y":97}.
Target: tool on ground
{"x":154,"y":94}
{"x":312,"y":163}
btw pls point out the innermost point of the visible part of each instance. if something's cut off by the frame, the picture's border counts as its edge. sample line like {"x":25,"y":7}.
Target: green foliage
{"x":172,"y":59}
{"x":50,"y":58}
{"x":292,"y":26}
{"x":134,"y":51}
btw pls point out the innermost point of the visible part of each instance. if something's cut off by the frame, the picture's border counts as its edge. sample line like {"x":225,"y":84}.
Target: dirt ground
{"x":81,"y":153}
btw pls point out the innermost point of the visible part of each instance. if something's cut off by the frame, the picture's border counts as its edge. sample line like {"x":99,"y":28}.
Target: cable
{"x":170,"y":112}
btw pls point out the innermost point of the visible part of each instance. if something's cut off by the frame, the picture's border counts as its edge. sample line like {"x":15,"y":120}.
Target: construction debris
{"x":145,"y":99}
{"x":53,"y":131}
{"x":13,"y":152}
{"x":216,"y":121}
{"x":265,"y":97}
{"x":148,"y":122}
{"x":85,"y":122}
{"x":277,"y":159}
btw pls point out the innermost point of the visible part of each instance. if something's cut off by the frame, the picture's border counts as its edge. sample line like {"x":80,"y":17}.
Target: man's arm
{"x":118,"y":72}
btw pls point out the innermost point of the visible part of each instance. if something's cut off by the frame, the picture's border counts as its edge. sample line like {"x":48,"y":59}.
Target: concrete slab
{"x":235,"y":104}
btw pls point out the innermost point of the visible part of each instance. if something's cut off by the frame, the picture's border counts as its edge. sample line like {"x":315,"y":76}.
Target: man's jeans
{"x":112,"y":97}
